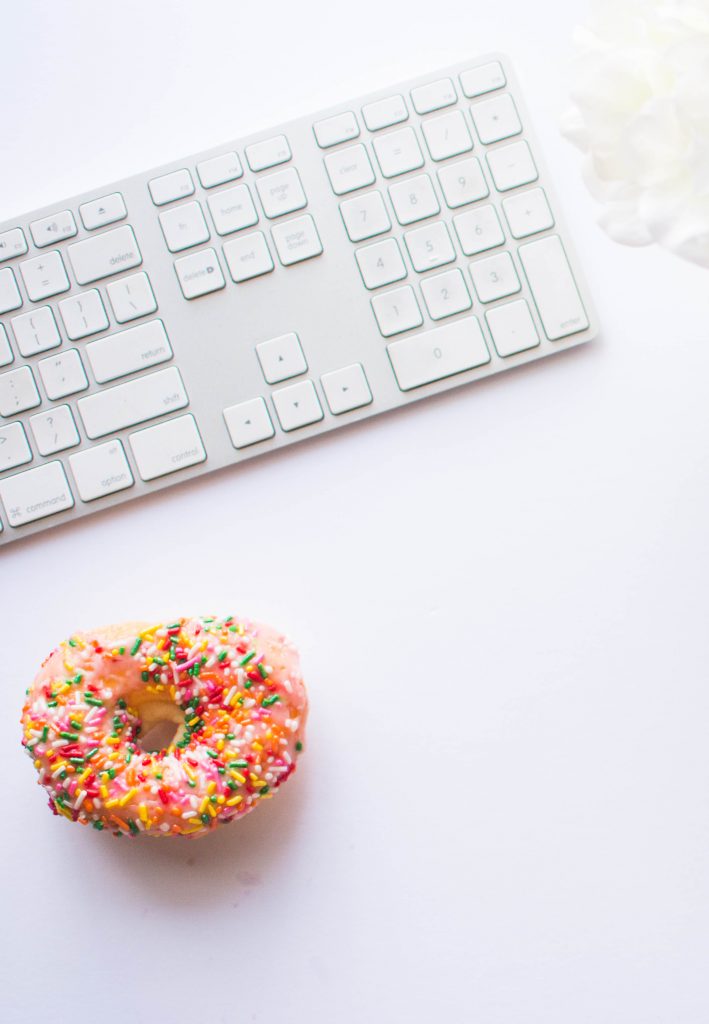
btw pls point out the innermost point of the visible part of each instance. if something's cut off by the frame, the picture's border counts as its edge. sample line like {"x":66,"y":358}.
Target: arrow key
{"x":346,"y":389}
{"x":297,"y":406}
{"x":248,"y":423}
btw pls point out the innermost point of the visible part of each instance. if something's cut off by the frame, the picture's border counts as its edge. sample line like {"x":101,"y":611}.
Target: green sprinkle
{"x":264,"y":790}
{"x":222,"y":771}
{"x":249,"y":657}
{"x":213,"y":798}
{"x":72,"y":643}
{"x":63,"y":775}
{"x":232,"y":784}
{"x":262,"y":671}
{"x":174,"y":625}
{"x":121,"y":703}
{"x":232,"y":629}
{"x":248,"y":684}
{"x":128,"y":757}
{"x":136,"y":646}
{"x":77,"y":678}
{"x":230,"y":736}
{"x":45,"y":733}
{"x":133,"y":827}
{"x":93,"y":701}
{"x":111,"y":773}
{"x":158,"y":661}
{"x":74,"y":724}
{"x":76,"y":760}
{"x":190,"y":784}
{"x":51,"y":703}
{"x":212,"y":753}
{"x":98,"y":825}
{"x":238,"y":764}
{"x":268,"y":701}
{"x":158,"y":776}
{"x":298,"y":746}
{"x":204,"y":818}
{"x":90,"y":753}
{"x":145,"y":676}
{"x":223,"y":656}
{"x":121,"y":650}
{"x":71,"y":737}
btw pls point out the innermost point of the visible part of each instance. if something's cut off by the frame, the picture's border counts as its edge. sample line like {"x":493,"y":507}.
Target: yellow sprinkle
{"x":220,"y":799}
{"x":128,"y":796}
{"x":38,"y":763}
{"x":211,"y":787}
{"x":85,"y":774}
{"x":260,"y":783}
{"x":238,"y":776}
{"x":204,"y":805}
{"x":212,"y":810}
{"x":234,"y":801}
{"x":193,"y":721}
{"x":113,"y":756}
{"x":111,"y":803}
{"x":256,"y":746}
{"x":189,"y":773}
{"x":220,"y":745}
{"x":103,"y":790}
{"x":143,"y":813}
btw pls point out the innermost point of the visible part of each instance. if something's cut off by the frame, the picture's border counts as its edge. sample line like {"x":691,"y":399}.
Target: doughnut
{"x":233,"y":698}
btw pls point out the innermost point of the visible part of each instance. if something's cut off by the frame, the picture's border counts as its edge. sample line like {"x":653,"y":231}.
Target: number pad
{"x":495,"y":277}
{"x":478,"y":230}
{"x":429,"y":247}
{"x":398,"y":152}
{"x":365,"y":216}
{"x":496,"y":119}
{"x":445,"y":294}
{"x":397,"y":311}
{"x":447,"y":136}
{"x":463,"y":183}
{"x":55,"y":430}
{"x":381,"y":263}
{"x":414,"y":199}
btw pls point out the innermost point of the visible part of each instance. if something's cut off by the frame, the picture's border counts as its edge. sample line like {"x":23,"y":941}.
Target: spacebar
{"x":439,"y":353}
{"x":133,"y":402}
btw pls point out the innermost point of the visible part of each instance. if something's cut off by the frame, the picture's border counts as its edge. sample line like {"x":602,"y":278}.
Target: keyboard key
{"x":478,"y":230}
{"x":512,"y":328}
{"x":63,"y":374}
{"x":18,"y":391}
{"x":349,"y":169}
{"x":365,"y":216}
{"x":512,"y":166}
{"x":346,"y":389}
{"x":167,"y":448}
{"x":14,"y":449}
{"x":199,"y":274}
{"x":169,"y":187}
{"x":445,"y":294}
{"x":434,"y":96}
{"x":184,"y":226}
{"x":385,"y":113}
{"x":248,"y":257}
{"x":101,"y":470}
{"x":297,"y":405}
{"x":496,"y":119}
{"x":296,"y":240}
{"x":447,"y":135}
{"x":333,"y":130}
{"x":429,"y":247}
{"x":248,"y":423}
{"x":83,"y":315}
{"x":104,"y":255}
{"x":50,"y":230}
{"x":553,"y":287}
{"x":463,"y":183}
{"x":129,"y":351}
{"x":101,"y":212}
{"x":495,"y":277}
{"x":54,"y":431}
{"x":281,"y":358}
{"x":219,"y":169}
{"x":6,"y":356}
{"x":232,"y":209}
{"x":9,"y":293}
{"x":36,"y":331}
{"x":397,"y":311}
{"x":134,"y":402}
{"x":527,"y":213}
{"x":414,"y":199}
{"x":398,"y":152}
{"x":44,"y":276}
{"x":381,"y":263}
{"x":36,"y":493}
{"x":12,"y":243}
{"x":477,"y":81}
{"x":441,"y":352}
{"x":131,"y":297}
{"x":268,"y":153}
{"x":281,"y":193}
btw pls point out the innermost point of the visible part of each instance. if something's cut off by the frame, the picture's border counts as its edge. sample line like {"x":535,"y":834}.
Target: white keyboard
{"x":274,"y":288}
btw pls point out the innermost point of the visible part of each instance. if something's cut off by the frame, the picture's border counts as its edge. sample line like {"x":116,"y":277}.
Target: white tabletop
{"x":500,"y":597}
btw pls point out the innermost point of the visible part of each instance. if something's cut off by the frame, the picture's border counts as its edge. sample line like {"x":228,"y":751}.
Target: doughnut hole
{"x":162,"y":722}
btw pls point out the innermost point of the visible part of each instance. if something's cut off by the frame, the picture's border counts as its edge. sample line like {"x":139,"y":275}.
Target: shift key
{"x":134,"y":402}
{"x":104,"y":255}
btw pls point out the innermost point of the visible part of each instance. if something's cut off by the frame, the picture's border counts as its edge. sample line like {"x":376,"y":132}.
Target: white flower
{"x":641,"y":115}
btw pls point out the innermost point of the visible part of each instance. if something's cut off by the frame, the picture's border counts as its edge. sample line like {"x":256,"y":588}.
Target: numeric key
{"x":365,"y":216}
{"x":380,"y":263}
{"x":429,"y":247}
{"x":512,"y":166}
{"x":397,"y":311}
{"x":496,"y":119}
{"x":478,"y":230}
{"x":494,"y":277}
{"x":414,"y":199}
{"x":445,"y":294}
{"x":463,"y":183}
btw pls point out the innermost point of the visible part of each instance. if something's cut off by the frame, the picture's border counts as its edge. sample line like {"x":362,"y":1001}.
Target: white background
{"x":500,"y":597}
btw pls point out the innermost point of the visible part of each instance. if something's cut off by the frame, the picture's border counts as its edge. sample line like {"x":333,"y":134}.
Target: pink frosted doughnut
{"x":231,"y":689}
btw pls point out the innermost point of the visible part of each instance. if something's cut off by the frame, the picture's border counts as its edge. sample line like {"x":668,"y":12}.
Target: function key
{"x":219,"y":170}
{"x":486,"y":78}
{"x":169,"y":187}
{"x":12,"y":243}
{"x":100,"y":212}
{"x":384,"y":113}
{"x":53,"y":229}
{"x":184,"y":226}
{"x":268,"y":153}
{"x":10,"y":297}
{"x":340,"y":128}
{"x":434,"y":96}
{"x":44,"y":276}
